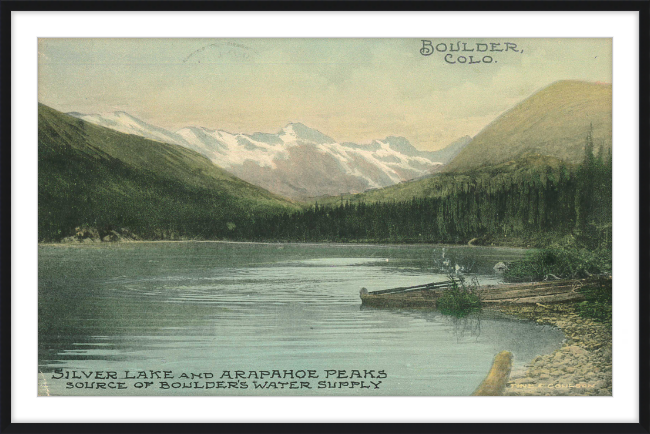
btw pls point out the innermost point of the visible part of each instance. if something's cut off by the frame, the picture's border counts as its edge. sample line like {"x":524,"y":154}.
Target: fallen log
{"x":495,"y":382}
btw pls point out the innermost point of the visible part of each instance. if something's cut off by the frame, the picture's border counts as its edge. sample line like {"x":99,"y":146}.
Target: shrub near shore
{"x":598,"y":301}
{"x":560,"y":263}
{"x":460,"y":299}
{"x":571,"y":263}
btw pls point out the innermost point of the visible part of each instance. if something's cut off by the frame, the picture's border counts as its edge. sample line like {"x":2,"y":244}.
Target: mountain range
{"x":297,"y":162}
{"x":545,"y":130}
{"x":166,"y":185}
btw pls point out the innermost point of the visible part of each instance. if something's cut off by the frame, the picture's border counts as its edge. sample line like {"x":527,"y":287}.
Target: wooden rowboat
{"x":425,"y":296}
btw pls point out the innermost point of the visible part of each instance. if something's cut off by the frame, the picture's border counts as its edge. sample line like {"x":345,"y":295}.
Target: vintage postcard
{"x":325,"y":217}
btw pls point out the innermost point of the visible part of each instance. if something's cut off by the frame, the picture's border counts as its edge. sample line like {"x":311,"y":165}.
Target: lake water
{"x":205,"y":308}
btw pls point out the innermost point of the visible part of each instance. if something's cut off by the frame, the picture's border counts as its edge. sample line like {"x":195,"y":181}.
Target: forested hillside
{"x":533,"y":201}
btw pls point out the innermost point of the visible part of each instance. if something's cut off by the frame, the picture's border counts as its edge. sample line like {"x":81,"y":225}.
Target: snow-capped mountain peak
{"x":298,"y":132}
{"x":296,"y":162}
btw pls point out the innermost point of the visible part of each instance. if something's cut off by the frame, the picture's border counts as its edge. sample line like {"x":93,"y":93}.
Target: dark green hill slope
{"x":94,"y":177}
{"x":553,"y":122}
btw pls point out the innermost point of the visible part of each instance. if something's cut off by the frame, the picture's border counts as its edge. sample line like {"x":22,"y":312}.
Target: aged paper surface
{"x":347,"y":217}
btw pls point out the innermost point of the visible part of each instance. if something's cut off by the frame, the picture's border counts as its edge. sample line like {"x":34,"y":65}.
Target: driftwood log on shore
{"x":549,"y":292}
{"x":496,"y":380}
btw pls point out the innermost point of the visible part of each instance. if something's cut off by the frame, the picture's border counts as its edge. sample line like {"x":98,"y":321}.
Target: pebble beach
{"x":581,"y":367}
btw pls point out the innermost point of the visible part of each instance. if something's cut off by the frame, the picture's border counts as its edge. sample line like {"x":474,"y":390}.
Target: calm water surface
{"x":210,"y":307}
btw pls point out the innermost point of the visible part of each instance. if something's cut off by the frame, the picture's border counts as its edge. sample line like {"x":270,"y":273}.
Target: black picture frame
{"x":7,"y":7}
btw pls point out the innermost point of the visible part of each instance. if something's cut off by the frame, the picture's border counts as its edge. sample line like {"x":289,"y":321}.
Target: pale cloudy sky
{"x":350,"y":89}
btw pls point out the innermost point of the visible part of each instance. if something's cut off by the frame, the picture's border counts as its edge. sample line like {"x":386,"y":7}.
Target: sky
{"x":353,"y":90}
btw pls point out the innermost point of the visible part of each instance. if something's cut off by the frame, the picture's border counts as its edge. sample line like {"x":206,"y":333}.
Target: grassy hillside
{"x":94,"y":177}
{"x":553,"y":122}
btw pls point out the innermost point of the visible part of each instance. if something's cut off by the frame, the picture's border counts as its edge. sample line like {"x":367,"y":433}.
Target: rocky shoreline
{"x":581,"y":367}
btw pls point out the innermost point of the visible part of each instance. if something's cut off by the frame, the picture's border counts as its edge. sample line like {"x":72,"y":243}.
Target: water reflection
{"x":469,"y":325}
{"x":209,"y":306}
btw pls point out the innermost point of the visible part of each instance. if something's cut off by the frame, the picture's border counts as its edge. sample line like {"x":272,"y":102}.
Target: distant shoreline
{"x":270,"y":243}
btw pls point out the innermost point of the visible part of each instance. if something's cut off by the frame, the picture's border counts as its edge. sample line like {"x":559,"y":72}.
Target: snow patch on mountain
{"x":125,"y":123}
